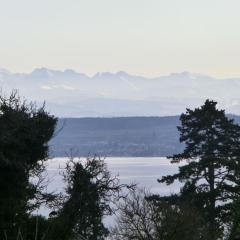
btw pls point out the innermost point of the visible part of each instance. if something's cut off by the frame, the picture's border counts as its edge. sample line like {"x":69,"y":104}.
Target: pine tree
{"x":211,"y":175}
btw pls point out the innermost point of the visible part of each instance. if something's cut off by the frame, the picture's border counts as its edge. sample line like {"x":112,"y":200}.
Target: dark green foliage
{"x":234,"y":225}
{"x":211,"y":175}
{"x":91,"y":191}
{"x":36,"y":227}
{"x":24,"y":133}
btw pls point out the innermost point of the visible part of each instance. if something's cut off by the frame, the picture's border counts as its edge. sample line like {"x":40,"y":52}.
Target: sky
{"x":144,"y":37}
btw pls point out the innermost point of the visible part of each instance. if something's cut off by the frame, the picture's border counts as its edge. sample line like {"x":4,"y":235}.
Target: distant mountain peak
{"x":42,"y":72}
{"x":188,"y":75}
{"x":122,"y":74}
{"x":184,"y":74}
{"x":45,"y":73}
{"x":104,"y":75}
{"x":70,"y":71}
{"x":4,"y":71}
{"x":73,"y":73}
{"x":119,"y":74}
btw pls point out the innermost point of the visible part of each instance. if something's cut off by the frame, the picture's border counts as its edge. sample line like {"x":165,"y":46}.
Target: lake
{"x":141,"y":170}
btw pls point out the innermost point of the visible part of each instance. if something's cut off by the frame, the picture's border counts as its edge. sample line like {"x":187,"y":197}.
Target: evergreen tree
{"x":91,"y":192}
{"x":234,"y":224}
{"x":211,"y":174}
{"x":24,"y":133}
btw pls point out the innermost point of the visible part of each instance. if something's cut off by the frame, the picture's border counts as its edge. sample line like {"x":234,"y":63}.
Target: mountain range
{"x":71,"y":94}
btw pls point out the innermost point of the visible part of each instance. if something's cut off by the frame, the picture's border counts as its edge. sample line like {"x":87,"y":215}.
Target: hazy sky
{"x":148,"y":37}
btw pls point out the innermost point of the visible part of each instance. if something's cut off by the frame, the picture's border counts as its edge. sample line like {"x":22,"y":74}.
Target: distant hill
{"x":124,"y":136}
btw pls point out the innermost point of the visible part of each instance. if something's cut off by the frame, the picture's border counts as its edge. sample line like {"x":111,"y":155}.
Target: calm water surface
{"x":141,"y":170}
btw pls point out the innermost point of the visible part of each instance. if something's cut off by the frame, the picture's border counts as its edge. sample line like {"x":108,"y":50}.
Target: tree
{"x":91,"y":194}
{"x":234,"y":224}
{"x":211,"y":173}
{"x":140,"y":218}
{"x":24,"y":133}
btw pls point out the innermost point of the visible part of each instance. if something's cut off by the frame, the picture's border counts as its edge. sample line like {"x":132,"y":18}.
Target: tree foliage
{"x":24,"y":133}
{"x":207,"y":204}
{"x":91,"y":194}
{"x":211,"y":173}
{"x":141,"y":218}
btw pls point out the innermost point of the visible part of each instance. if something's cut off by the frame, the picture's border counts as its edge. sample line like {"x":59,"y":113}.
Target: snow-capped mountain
{"x":71,"y":94}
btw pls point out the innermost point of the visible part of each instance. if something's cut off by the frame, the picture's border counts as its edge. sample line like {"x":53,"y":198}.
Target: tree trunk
{"x":212,"y":202}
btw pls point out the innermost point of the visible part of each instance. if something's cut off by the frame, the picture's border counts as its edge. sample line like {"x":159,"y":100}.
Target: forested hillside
{"x":123,"y":136}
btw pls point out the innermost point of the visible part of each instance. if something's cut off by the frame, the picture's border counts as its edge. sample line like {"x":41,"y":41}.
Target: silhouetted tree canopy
{"x":206,"y":207}
{"x":140,"y":218}
{"x":24,"y":134}
{"x":91,"y":194}
{"x":211,"y":174}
